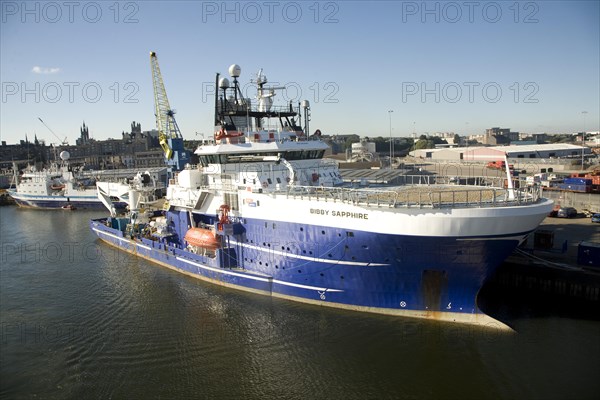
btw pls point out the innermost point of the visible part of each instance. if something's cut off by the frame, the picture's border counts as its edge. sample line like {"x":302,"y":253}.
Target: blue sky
{"x":440,"y":66}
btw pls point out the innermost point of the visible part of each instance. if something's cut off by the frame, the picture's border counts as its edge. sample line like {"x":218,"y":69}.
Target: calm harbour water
{"x":80,"y":319}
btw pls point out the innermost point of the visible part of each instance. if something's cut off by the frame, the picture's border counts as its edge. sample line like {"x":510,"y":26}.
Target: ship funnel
{"x":134,"y":200}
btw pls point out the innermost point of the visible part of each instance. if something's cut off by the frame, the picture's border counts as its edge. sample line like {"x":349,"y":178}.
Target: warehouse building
{"x":556,"y":150}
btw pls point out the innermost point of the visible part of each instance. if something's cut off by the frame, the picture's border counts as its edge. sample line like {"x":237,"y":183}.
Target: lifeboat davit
{"x":201,"y":237}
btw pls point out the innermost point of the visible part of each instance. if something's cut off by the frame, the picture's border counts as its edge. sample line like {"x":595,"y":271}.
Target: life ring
{"x":265,"y":185}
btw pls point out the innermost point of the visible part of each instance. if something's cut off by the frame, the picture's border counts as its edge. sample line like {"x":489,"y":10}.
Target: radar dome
{"x":235,"y":70}
{"x":223,"y":83}
{"x":64,"y":155}
{"x":305,"y":104}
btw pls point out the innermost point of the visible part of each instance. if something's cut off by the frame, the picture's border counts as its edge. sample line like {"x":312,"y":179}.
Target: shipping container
{"x":578,"y":181}
{"x":532,"y":180}
{"x":576,"y":188}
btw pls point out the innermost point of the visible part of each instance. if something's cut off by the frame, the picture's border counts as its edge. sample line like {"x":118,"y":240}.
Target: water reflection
{"x":107,"y":324}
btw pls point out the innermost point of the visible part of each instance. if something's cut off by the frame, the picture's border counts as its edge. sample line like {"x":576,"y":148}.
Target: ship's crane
{"x":169,"y":135}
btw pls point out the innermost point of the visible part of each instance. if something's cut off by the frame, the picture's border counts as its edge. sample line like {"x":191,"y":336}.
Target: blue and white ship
{"x":266,"y":213}
{"x":62,"y":187}
{"x":55,"y":187}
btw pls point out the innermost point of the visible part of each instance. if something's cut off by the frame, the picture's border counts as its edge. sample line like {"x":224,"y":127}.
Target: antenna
{"x":64,"y":142}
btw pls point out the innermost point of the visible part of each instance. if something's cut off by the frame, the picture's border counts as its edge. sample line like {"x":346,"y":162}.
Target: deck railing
{"x":419,"y":191}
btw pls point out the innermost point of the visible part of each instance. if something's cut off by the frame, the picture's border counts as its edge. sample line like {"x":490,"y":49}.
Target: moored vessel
{"x":62,"y":187}
{"x":265,"y":212}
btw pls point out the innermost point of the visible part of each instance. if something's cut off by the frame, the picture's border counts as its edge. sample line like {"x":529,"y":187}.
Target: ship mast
{"x":231,"y":113}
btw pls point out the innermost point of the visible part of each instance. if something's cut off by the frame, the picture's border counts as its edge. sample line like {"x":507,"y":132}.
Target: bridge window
{"x":259,"y":156}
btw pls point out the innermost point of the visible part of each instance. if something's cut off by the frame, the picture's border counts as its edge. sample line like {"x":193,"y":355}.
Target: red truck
{"x":498,"y":165}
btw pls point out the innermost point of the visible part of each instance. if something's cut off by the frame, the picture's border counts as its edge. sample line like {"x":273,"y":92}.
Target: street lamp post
{"x":202,"y":136}
{"x":391,"y":142}
{"x":583,"y":139}
{"x":466,"y":137}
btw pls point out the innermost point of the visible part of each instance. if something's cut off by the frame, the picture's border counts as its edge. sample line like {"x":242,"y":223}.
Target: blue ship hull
{"x":426,"y":277}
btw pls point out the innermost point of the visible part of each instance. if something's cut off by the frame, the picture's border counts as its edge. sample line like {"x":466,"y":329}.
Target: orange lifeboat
{"x":201,"y":237}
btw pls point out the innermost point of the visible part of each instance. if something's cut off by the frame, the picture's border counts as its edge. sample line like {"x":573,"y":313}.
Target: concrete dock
{"x":547,"y":281}
{"x":570,"y":230}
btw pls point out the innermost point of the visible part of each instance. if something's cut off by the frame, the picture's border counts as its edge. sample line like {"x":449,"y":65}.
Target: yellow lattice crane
{"x":169,"y":135}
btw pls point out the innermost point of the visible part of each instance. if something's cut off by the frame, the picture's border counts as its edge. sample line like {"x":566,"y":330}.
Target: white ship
{"x":59,"y":187}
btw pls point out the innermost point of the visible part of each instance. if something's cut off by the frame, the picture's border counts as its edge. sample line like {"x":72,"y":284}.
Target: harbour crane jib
{"x":169,"y":135}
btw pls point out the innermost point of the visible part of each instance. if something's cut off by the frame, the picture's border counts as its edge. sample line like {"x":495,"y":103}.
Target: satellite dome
{"x":223,"y":83}
{"x":305,"y":104}
{"x":235,"y":70}
{"x":64,"y":155}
